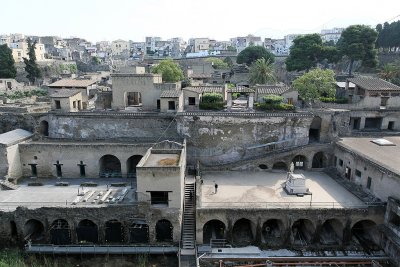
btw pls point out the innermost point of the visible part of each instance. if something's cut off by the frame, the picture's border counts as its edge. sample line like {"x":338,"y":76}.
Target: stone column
{"x":229,"y":101}
{"x":251,"y":101}
{"x":362,"y":123}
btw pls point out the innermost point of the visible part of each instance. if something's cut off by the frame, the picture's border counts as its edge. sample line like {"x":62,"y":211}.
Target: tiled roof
{"x":241,"y":89}
{"x":62,"y":93}
{"x":272,"y":89}
{"x":204,"y":89}
{"x":374,"y":84}
{"x":14,"y":136}
{"x":170,"y":94}
{"x":72,"y":83}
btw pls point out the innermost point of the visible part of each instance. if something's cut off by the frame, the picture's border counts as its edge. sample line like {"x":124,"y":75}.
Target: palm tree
{"x":388,"y":72}
{"x":262,"y":72}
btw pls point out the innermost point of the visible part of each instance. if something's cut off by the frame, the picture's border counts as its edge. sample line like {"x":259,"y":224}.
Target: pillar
{"x":229,"y":101}
{"x":251,"y":101}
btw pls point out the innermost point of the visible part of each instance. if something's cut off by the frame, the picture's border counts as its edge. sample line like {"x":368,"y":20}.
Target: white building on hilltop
{"x":331,"y":34}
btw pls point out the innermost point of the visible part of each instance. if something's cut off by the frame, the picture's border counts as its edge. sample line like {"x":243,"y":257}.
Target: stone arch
{"x":164,"y":231}
{"x":44,"y":128}
{"x":315,"y":130}
{"x":213,"y":229}
{"x":131,"y":165}
{"x":87,"y":232}
{"x":13,"y":229}
{"x":110,"y":166}
{"x":34,"y":231}
{"x":272,"y":231}
{"x":60,"y":232}
{"x":280,"y":165}
{"x":319,"y":160}
{"x":263,"y":166}
{"x":302,"y":232}
{"x":365,"y":233}
{"x":139,"y":232}
{"x":242,"y":232}
{"x":114,"y":232}
{"x":331,"y":232}
{"x":300,"y":162}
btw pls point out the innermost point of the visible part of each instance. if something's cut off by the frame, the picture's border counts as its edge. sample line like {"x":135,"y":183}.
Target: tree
{"x":217,"y":63}
{"x":389,"y":71}
{"x":31,"y":67}
{"x":357,"y":42}
{"x":308,"y":50}
{"x":315,"y":84}
{"x":252,"y":53}
{"x":388,"y":36}
{"x":229,"y":62}
{"x":170,"y":71}
{"x":262,"y":72}
{"x":7,"y":63}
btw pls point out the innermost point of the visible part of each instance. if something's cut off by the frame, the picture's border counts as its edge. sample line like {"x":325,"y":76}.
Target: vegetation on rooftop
{"x":23,"y":94}
{"x":273,"y":102}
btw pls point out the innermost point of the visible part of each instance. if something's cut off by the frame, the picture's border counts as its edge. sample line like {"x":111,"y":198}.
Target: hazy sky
{"x":218,"y":19}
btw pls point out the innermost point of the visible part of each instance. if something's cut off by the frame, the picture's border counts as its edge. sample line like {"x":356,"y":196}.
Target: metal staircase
{"x":188,"y":247}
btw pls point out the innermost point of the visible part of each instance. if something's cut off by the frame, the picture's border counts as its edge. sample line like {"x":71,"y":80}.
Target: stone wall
{"x":224,"y":139}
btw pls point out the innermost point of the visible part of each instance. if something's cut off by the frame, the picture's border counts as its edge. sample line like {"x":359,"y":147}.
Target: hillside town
{"x":252,"y":151}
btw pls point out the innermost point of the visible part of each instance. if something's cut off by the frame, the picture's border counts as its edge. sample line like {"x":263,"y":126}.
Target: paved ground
{"x":264,"y":189}
{"x":50,"y":195}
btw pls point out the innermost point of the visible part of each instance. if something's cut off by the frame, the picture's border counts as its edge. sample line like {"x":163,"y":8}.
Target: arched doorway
{"x":44,"y":128}
{"x":114,"y":232}
{"x":272,"y":231}
{"x":366,"y":234}
{"x":315,"y":130}
{"x":131,"y":164}
{"x":60,"y":233}
{"x":164,"y":231}
{"x":13,"y":229}
{"x":34,"y":231}
{"x":331,"y":232}
{"x":300,"y":162}
{"x":302,"y":232}
{"x":263,"y":166}
{"x":319,"y":160}
{"x":242,"y":233}
{"x":280,"y":166}
{"x":139,"y":233}
{"x":87,"y":232}
{"x":214,"y":229}
{"x":110,"y":166}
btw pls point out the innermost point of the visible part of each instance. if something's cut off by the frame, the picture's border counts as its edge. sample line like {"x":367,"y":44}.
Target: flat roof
{"x":49,"y":195}
{"x":162,"y":160}
{"x":14,"y":136}
{"x":263,"y":189}
{"x":387,"y":157}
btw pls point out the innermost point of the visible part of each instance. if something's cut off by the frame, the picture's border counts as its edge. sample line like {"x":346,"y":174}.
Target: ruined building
{"x":156,"y":174}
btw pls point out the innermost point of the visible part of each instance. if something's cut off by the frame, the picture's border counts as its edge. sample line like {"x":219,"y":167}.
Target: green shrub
{"x":212,"y":98}
{"x":334,"y":100}
{"x":235,"y":95}
{"x":23,"y":94}
{"x":269,"y":106}
{"x":273,"y":99}
{"x":211,"y":106}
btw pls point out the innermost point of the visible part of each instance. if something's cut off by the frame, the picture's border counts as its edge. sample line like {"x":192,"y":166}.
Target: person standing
{"x":216,"y":188}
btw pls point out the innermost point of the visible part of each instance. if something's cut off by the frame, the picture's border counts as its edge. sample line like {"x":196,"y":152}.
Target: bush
{"x":334,"y":100}
{"x":212,"y":106}
{"x":269,"y":106}
{"x":273,"y":99}
{"x":212,"y":98}
{"x":235,"y":95}
{"x":23,"y":94}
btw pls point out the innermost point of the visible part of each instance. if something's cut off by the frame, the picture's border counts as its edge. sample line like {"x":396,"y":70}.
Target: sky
{"x":100,"y":20}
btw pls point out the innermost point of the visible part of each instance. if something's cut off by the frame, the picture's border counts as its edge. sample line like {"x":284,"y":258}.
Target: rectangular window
{"x":391,"y":125}
{"x":358,"y":173}
{"x":74,"y":104}
{"x":192,"y":101}
{"x":340,"y":163}
{"x":82,"y":170}
{"x":158,"y":104}
{"x":171,"y":105}
{"x":369,"y":183}
{"x":159,"y":198}
{"x":58,"y":104}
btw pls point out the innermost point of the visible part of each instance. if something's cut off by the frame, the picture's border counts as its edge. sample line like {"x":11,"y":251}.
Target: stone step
{"x":8,"y":185}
